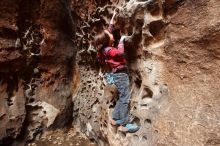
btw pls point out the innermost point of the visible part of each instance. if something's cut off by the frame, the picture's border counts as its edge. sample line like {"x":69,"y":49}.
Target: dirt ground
{"x":70,"y":137}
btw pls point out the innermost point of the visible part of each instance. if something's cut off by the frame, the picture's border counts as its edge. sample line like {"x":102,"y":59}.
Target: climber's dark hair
{"x":101,"y":40}
{"x":117,"y":36}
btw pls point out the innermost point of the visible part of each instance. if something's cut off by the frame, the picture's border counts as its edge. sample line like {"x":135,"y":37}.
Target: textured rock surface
{"x":173,"y":56}
{"x":36,"y":66}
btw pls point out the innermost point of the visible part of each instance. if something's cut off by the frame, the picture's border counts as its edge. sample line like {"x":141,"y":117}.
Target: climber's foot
{"x":115,"y":122}
{"x":131,"y":128}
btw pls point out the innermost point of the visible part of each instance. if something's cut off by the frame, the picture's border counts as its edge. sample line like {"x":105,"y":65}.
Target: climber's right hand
{"x":122,"y":38}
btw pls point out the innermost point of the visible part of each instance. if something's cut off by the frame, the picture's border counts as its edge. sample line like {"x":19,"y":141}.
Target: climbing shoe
{"x":115,"y":122}
{"x":131,"y":128}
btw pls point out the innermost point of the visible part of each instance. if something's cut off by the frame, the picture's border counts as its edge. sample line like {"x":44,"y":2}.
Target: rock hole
{"x":31,"y":100}
{"x":164,"y":89}
{"x":135,"y":138}
{"x":136,"y":121}
{"x":213,"y":141}
{"x":12,"y":86}
{"x":144,"y":104}
{"x":8,"y":33}
{"x":135,"y":107}
{"x":138,"y":82}
{"x":154,"y":8}
{"x":122,"y":134}
{"x":138,"y":79}
{"x":148,"y":121}
{"x":144,"y":138}
{"x":92,"y":140}
{"x":111,"y":106}
{"x":147,"y":93}
{"x":113,"y":103}
{"x":147,"y":40}
{"x":84,"y":88}
{"x":130,"y":33}
{"x":9,"y":130}
{"x":105,"y":125}
{"x":155,"y":27}
{"x":105,"y":122}
{"x":9,"y":102}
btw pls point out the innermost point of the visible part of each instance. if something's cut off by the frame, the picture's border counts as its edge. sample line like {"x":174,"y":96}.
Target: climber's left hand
{"x":115,"y":11}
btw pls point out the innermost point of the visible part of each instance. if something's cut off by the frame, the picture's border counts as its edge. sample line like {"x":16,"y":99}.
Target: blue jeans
{"x":120,"y":112}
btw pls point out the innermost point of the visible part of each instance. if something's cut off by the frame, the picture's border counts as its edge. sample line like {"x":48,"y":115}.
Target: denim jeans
{"x":121,"y":108}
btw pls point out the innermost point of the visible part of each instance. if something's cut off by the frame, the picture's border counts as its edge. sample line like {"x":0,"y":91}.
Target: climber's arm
{"x":113,"y":17}
{"x":113,"y":52}
{"x":121,"y":44}
{"x":110,"y":27}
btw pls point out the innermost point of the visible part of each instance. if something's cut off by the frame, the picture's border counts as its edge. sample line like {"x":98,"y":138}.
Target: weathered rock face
{"x":36,"y":66}
{"x":173,"y":57}
{"x":192,"y":63}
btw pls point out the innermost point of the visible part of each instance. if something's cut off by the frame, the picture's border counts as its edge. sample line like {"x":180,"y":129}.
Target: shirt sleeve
{"x":113,"y":52}
{"x":121,"y":46}
{"x":110,"y":28}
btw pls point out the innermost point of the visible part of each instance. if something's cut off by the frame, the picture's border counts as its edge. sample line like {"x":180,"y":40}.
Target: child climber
{"x":115,"y":58}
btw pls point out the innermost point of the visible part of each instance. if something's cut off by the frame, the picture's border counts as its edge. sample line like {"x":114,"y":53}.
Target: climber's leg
{"x":121,"y":109}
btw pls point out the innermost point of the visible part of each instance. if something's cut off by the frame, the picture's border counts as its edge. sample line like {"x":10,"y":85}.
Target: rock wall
{"x":173,"y":57}
{"x":49,"y":76}
{"x":37,"y":57}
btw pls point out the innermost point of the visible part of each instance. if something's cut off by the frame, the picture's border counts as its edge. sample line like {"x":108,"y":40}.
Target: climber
{"x":115,"y":58}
